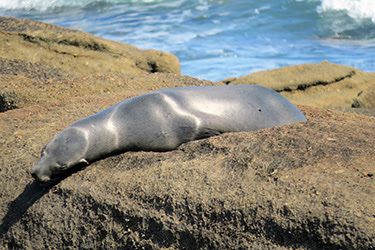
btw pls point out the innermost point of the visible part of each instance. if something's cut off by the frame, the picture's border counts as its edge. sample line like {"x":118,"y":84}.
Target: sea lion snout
{"x":39,"y":175}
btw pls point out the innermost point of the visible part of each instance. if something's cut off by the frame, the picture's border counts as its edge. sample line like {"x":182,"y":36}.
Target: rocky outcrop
{"x":309,"y":185}
{"x":317,"y":84}
{"x":365,"y":99}
{"x":28,"y":83}
{"x":66,"y":55}
{"x":77,"y":51}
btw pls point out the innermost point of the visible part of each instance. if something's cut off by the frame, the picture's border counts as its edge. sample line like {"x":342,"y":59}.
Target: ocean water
{"x":216,"y":39}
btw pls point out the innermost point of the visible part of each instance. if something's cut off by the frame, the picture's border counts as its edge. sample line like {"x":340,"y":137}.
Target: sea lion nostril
{"x":33,"y":174}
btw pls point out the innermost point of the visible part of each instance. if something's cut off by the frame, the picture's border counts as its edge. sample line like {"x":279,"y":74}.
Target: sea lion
{"x":162,"y":120}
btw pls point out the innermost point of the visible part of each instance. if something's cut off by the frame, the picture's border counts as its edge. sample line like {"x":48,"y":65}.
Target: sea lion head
{"x":66,"y":150}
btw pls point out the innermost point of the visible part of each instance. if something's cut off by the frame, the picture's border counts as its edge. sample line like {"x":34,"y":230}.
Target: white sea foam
{"x":44,"y":5}
{"x":40,"y":5}
{"x":357,"y":9}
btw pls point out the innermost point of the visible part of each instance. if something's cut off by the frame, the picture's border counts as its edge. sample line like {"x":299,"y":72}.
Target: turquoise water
{"x":223,"y":38}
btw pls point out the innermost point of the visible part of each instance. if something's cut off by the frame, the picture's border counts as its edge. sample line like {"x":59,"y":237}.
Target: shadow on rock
{"x":17,"y":208}
{"x":33,"y":192}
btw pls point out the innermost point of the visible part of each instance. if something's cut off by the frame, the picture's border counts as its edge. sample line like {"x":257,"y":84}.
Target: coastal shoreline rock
{"x":309,"y":185}
{"x":365,"y":99}
{"x":30,"y":83}
{"x":325,"y":84}
{"x":77,"y":51}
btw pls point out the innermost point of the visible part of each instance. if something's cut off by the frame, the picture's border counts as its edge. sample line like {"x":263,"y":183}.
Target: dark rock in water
{"x":365,"y":99}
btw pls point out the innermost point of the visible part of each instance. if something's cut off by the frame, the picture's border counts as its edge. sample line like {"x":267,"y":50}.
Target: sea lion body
{"x":162,"y":120}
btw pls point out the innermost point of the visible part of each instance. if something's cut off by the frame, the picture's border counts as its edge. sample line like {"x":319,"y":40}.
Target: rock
{"x":34,"y":55}
{"x":307,"y":185}
{"x":28,"y":83}
{"x":158,"y":61}
{"x":317,"y":84}
{"x":77,"y":52}
{"x":365,"y":99}
{"x":228,"y":80}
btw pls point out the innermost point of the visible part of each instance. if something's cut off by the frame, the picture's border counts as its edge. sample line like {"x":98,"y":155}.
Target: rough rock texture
{"x":77,"y":51}
{"x":34,"y":54}
{"x":304,"y":186}
{"x":28,"y":83}
{"x":317,"y":84}
{"x":308,"y":185}
{"x":365,"y":99}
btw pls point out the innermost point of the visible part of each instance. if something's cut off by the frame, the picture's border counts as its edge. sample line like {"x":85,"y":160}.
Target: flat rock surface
{"x":309,"y":185}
